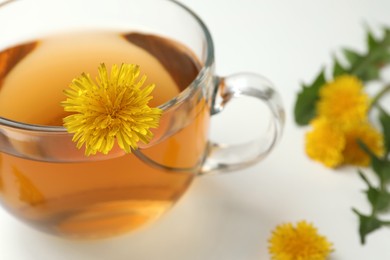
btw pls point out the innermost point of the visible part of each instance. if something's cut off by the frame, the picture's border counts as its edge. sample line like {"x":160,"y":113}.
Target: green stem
{"x":378,"y":96}
{"x":383,"y":186}
{"x":386,"y":223}
{"x":374,"y":211}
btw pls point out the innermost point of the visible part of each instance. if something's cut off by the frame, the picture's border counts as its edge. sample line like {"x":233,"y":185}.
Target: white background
{"x":231,"y":216}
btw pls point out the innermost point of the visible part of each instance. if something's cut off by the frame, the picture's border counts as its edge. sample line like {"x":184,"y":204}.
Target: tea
{"x":98,"y":198}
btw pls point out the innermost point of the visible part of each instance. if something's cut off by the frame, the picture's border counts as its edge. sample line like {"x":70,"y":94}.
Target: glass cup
{"x":48,"y":183}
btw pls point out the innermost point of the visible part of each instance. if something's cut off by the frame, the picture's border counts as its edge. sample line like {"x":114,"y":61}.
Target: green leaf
{"x":387,"y":33}
{"x":352,"y":56}
{"x":380,"y":166}
{"x":305,"y":106}
{"x":371,"y":41}
{"x":366,"y":66}
{"x":384,"y":118}
{"x":361,"y":174}
{"x":380,"y":200}
{"x":386,"y":59}
{"x":367,"y":224}
{"x":338,"y":69}
{"x":370,"y":73}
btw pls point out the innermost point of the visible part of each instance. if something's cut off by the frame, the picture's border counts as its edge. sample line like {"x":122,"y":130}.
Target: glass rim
{"x":208,"y":63}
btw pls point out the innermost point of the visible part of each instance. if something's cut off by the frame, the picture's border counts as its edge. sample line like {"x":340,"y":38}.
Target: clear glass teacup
{"x":46,"y":181}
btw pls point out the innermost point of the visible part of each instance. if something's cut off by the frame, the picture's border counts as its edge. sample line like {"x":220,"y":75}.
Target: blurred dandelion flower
{"x":370,"y":136}
{"x":300,"y":242}
{"x":325,"y":143}
{"x":343,"y":101}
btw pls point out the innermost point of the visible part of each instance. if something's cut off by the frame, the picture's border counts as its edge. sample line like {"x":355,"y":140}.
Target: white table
{"x":230,"y":216}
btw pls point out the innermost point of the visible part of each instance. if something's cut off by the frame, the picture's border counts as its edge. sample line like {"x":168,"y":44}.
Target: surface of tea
{"x":98,"y":198}
{"x":48,"y":67}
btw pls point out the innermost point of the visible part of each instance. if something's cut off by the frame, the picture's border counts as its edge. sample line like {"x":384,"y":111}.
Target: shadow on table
{"x":203,"y":225}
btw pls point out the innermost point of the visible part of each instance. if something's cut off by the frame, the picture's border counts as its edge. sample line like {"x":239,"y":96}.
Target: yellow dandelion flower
{"x":343,"y":100}
{"x":114,"y":108}
{"x":298,"y":243}
{"x":370,"y":136}
{"x":325,"y":143}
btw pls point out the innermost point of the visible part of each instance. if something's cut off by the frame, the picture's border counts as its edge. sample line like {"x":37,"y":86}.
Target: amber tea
{"x":104,"y":197}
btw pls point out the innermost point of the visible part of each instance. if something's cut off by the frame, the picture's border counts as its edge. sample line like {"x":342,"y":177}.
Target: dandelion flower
{"x":366,"y":133}
{"x":113,"y":108}
{"x":298,"y":243}
{"x":343,"y":101}
{"x":325,"y":143}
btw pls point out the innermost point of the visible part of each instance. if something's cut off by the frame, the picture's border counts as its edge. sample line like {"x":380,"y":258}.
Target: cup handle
{"x":224,"y":158}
